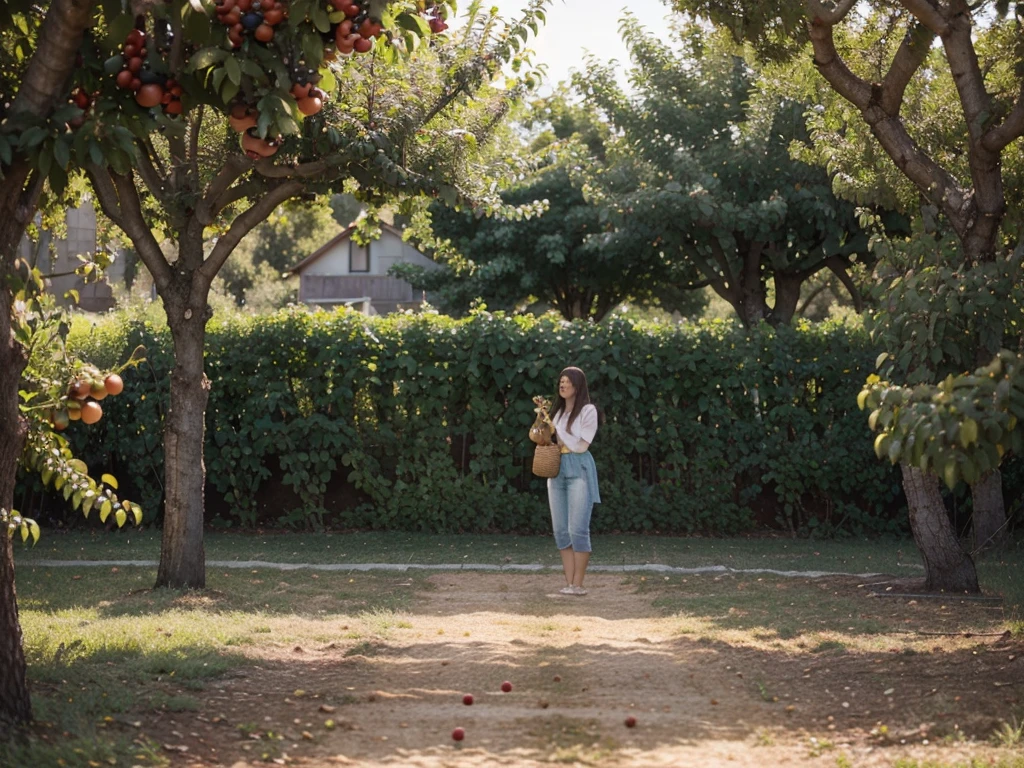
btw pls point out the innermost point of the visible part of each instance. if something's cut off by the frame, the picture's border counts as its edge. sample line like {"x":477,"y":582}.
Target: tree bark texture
{"x":182,"y":554}
{"x":947,"y":567}
{"x":15,"y":706}
{"x":989,"y":516}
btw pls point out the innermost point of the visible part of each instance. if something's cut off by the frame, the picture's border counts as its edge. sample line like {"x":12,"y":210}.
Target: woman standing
{"x":573,"y":494}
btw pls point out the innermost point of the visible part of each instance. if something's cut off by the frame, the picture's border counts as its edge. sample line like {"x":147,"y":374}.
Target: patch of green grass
{"x":1010,"y":734}
{"x":771,"y":606}
{"x":878,"y":556}
{"x":90,"y":750}
{"x":173,"y":703}
{"x":1016,"y":761}
{"x":365,"y":648}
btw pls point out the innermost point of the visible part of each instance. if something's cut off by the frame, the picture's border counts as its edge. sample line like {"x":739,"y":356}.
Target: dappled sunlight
{"x":370,"y":669}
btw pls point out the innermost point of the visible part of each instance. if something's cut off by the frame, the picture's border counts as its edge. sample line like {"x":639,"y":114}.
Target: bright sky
{"x":576,"y":27}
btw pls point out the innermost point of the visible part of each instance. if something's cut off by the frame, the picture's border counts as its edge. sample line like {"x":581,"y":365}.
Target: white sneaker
{"x":578,"y":591}
{"x":568,"y":589}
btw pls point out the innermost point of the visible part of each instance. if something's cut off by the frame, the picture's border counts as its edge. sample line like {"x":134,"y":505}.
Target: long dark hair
{"x":578,"y":379}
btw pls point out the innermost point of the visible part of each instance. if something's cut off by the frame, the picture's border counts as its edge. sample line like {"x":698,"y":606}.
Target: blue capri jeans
{"x":572,"y":496}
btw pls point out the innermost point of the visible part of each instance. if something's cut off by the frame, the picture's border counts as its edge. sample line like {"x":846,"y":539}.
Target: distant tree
{"x":563,"y":258}
{"x":700,"y":172}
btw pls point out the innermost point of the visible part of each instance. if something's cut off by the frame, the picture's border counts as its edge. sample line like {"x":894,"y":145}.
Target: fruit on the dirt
{"x":467,"y":699}
{"x":113,"y":384}
{"x":630,"y":722}
{"x":458,"y":734}
{"x":506,"y":686}
{"x":91,"y":412}
{"x":150,"y":95}
{"x":557,"y":678}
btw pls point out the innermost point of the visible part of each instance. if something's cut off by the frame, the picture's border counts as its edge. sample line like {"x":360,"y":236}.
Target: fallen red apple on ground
{"x":630,"y":721}
{"x":458,"y":734}
{"x":506,"y":686}
{"x":467,"y":699}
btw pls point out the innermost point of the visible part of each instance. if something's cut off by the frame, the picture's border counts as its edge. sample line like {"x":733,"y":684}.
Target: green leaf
{"x":234,"y":70}
{"x":414,"y":23}
{"x":206,"y":57}
{"x":33,"y":528}
{"x":121,"y":517}
{"x":105,"y":509}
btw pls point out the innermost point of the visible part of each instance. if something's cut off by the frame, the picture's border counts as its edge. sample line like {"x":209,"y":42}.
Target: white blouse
{"x":583,"y":429}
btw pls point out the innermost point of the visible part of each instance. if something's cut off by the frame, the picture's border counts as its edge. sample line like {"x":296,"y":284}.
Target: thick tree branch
{"x":103,"y":187}
{"x":46,"y":78}
{"x":266,"y":167}
{"x":236,"y":193}
{"x":193,"y":141}
{"x":927,"y":14}
{"x":232,"y":169}
{"x":119,"y":200}
{"x":241,"y":226}
{"x":150,"y":175}
{"x":912,"y":53}
{"x":1011,"y":129}
{"x":823,"y":15}
{"x":840,"y":269}
{"x":935,"y":182}
{"x":729,"y":283}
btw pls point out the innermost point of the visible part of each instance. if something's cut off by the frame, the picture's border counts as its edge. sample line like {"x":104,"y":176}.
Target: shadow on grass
{"x":128,"y":592}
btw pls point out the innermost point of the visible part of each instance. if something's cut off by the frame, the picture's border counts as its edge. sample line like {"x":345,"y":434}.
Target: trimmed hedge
{"x":419,"y":422}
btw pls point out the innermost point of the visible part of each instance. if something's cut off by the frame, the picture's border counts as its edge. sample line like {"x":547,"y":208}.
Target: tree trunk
{"x":947,"y":567}
{"x":182,"y":556}
{"x":989,"y":511}
{"x":787,"y":297}
{"x":15,"y":705}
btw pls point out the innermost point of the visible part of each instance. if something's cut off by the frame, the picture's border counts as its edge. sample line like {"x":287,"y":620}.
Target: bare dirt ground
{"x":388,"y":692}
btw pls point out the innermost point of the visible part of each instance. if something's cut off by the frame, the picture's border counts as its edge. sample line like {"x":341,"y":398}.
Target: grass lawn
{"x":311,"y":667}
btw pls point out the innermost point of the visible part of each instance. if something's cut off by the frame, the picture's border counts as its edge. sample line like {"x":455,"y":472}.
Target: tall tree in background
{"x":921,"y":42}
{"x":562,"y":258}
{"x":700,"y":172}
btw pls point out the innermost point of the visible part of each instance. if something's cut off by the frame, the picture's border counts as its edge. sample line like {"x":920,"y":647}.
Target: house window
{"x":358,"y":257}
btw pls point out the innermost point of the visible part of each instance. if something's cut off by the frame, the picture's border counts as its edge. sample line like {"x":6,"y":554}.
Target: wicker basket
{"x":547,"y":460}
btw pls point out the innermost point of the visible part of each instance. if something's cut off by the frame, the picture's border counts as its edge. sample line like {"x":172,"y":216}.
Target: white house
{"x":344,"y":272}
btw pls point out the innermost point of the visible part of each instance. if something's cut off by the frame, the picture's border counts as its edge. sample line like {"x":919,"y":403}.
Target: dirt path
{"x":386,"y":690}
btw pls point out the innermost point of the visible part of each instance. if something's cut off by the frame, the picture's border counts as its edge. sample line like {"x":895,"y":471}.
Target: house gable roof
{"x":338,"y":238}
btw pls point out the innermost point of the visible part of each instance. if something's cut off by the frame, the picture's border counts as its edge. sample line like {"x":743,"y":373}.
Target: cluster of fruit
{"x":255,"y":17}
{"x":243,"y":118}
{"x":358,"y":31}
{"x":83,"y":398}
{"x":150,"y":88}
